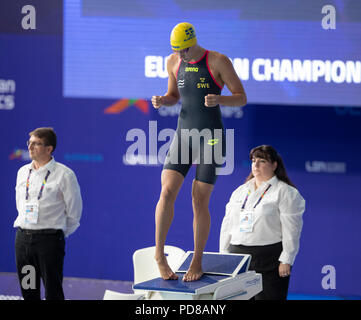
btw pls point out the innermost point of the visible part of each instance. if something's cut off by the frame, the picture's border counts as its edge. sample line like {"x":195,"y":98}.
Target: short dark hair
{"x":47,"y":134}
{"x":270,"y":154}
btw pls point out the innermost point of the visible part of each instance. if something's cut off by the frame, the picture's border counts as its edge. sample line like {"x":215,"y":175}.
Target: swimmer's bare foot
{"x":194,"y":273}
{"x":165,"y":271}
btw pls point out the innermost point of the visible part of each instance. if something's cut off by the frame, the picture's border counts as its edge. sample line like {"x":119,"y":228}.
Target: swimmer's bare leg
{"x":171,"y":184}
{"x":201,"y":193}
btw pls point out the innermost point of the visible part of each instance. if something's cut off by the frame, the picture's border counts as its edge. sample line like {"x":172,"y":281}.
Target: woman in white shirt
{"x":264,"y":218}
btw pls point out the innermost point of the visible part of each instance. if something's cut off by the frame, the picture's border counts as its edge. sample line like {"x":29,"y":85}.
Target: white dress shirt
{"x":277,"y":217}
{"x":60,"y":205}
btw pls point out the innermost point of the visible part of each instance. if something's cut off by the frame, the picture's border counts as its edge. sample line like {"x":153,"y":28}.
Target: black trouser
{"x":265,"y":261}
{"x":42,"y":251}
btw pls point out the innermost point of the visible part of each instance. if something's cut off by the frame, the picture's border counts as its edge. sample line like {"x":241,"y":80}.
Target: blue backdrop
{"x":319,"y":144}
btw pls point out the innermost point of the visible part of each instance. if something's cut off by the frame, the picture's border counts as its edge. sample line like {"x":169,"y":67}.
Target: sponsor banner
{"x":7,"y":94}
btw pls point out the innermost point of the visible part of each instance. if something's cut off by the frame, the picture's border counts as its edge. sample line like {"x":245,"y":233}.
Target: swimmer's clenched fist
{"x":211,"y":100}
{"x":157,"y":101}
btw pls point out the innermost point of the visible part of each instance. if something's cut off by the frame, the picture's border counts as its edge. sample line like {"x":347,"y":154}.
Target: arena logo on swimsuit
{"x":191,"y":69}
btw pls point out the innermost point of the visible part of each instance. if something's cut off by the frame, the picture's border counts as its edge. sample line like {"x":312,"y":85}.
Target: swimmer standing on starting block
{"x":197,"y":76}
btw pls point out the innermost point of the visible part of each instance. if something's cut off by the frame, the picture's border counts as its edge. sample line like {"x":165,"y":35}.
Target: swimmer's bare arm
{"x":224,"y":71}
{"x":172,"y":96}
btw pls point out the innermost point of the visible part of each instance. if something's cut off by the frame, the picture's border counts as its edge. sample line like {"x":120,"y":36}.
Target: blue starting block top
{"x":158,"y":284}
{"x":227,"y":264}
{"x":216,"y":267}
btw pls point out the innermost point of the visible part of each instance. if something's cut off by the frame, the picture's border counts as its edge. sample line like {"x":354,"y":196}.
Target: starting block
{"x":226,"y":277}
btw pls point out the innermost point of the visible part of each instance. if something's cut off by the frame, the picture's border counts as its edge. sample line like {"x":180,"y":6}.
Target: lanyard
{"x":259,"y":200}
{"x":42,"y":185}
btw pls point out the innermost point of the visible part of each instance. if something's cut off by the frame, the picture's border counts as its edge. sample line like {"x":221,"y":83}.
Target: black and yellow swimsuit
{"x":200,"y":135}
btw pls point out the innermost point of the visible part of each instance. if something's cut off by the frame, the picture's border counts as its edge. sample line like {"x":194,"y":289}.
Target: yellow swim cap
{"x":183,"y":36}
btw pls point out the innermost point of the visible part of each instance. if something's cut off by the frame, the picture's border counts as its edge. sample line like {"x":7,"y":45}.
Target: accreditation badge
{"x":31,"y":212}
{"x":246,"y":220}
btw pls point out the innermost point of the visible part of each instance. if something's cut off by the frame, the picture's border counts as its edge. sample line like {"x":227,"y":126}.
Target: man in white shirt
{"x":49,"y":206}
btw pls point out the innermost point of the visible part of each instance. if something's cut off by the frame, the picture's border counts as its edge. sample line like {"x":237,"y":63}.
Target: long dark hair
{"x":270,"y":154}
